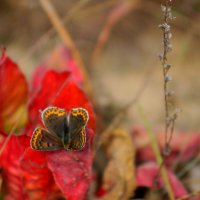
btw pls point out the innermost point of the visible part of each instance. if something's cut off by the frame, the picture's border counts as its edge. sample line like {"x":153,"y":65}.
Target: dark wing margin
{"x":55,"y":120}
{"x":78,"y":119}
{"x":78,"y":140}
{"x":42,"y":140}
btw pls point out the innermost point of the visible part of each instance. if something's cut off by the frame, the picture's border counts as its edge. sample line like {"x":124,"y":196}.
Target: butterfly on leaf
{"x":63,"y":131}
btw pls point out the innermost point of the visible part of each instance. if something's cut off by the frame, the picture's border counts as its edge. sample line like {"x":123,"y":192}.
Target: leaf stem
{"x":156,"y":150}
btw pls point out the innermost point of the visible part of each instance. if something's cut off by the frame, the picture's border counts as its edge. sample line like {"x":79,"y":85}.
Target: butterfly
{"x":63,"y":131}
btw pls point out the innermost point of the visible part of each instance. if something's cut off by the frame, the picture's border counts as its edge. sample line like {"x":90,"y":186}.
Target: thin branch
{"x":73,"y":12}
{"x":76,"y":13}
{"x":117,"y":13}
{"x":10,"y":134}
{"x":156,"y":150}
{"x":170,"y":115}
{"x":189,"y":166}
{"x":165,"y":27}
{"x":188,"y":196}
{"x":67,"y":39}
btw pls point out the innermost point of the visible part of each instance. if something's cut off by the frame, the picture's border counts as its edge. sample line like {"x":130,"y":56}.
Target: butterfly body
{"x":62,"y":131}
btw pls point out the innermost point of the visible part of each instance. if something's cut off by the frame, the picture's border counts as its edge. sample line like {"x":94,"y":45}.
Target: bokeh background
{"x":128,"y":57}
{"x":119,"y":42}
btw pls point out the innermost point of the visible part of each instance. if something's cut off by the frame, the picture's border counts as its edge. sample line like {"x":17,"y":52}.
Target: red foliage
{"x":13,"y":89}
{"x":37,"y":78}
{"x":72,"y":170}
{"x":29,"y":174}
{"x":60,"y":60}
{"x":181,"y":150}
{"x":60,"y":90}
{"x":145,"y":176}
{"x":37,"y":178}
{"x":51,"y":85}
{"x":10,"y":164}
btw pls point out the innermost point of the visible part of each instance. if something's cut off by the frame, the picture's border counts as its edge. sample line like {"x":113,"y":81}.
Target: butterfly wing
{"x":78,"y":119}
{"x":44,"y":141}
{"x":55,"y":121}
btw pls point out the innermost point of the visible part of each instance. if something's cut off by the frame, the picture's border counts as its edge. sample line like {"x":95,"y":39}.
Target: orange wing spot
{"x":54,"y":111}
{"x":35,"y":136}
{"x":61,"y":113}
{"x":80,"y":111}
{"x":83,"y":136}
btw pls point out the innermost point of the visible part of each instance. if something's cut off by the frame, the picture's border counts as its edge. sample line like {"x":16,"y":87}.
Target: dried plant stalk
{"x":170,"y":113}
{"x":188,"y":196}
{"x":67,"y":39}
{"x":156,"y":150}
{"x":119,"y":11}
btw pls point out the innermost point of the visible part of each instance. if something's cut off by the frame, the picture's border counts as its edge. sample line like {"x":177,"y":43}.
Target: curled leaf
{"x":118,"y":179}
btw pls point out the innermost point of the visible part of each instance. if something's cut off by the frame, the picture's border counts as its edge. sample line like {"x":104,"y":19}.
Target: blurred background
{"x":119,"y":42}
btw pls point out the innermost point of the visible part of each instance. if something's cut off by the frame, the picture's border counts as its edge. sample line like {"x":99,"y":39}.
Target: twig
{"x":188,"y":167}
{"x":65,"y":36}
{"x":186,"y":197}
{"x":77,"y":12}
{"x":46,"y":36}
{"x":10,"y":134}
{"x":117,"y":13}
{"x":170,"y":117}
{"x":157,"y":154}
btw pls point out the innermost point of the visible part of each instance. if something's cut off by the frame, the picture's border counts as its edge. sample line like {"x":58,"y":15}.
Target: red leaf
{"x":181,"y":149}
{"x":72,"y":97}
{"x":72,"y":169}
{"x":25,"y":172}
{"x":145,"y":176}
{"x":59,"y":60}
{"x":38,"y":182}
{"x":100,"y":192}
{"x":13,"y":90}
{"x":184,"y":149}
{"x":37,"y":78}
{"x":51,"y":85}
{"x":77,"y":74}
{"x":72,"y":177}
{"x":10,"y":163}
{"x":59,"y":90}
